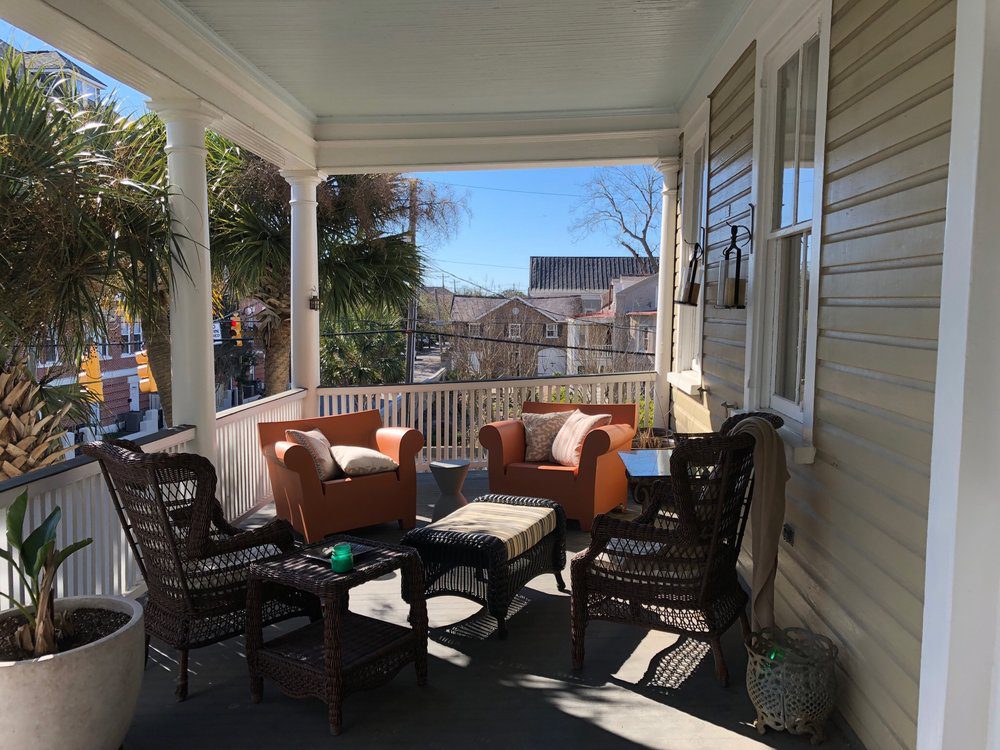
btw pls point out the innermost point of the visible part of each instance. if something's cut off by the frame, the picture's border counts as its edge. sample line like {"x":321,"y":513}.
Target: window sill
{"x":803,"y":453}
{"x":688,"y":382}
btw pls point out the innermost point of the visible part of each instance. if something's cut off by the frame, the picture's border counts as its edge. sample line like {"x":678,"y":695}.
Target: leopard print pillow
{"x":540,"y":431}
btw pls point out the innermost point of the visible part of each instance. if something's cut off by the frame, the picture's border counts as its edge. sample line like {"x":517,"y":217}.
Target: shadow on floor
{"x":638,"y":689}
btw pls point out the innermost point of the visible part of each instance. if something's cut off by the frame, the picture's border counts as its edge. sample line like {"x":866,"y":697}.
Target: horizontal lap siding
{"x":676,"y":281}
{"x":856,"y":570}
{"x":730,"y":166}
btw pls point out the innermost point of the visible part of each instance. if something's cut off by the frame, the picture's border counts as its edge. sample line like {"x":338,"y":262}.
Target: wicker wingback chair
{"x":674,"y":567}
{"x":193,"y":561}
{"x":728,"y":425}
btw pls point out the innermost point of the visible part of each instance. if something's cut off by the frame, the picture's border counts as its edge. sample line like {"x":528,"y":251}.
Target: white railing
{"x":243,"y":479}
{"x":450,"y":414}
{"x":77,"y":486}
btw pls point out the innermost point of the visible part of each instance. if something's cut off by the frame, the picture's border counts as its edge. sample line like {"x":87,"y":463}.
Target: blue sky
{"x":513,"y":214}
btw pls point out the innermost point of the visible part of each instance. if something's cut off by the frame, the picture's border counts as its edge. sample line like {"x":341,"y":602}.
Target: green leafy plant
{"x":36,"y":565}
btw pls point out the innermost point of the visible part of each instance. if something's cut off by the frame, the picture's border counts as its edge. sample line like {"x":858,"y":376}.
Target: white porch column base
{"x":959,"y":691}
{"x":192,"y":352}
{"x":305,"y":284}
{"x":665,"y":289}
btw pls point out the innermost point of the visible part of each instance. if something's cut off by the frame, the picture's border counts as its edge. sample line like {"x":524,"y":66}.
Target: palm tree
{"x":363,"y":262}
{"x":79,"y":233}
{"x":366,"y":351}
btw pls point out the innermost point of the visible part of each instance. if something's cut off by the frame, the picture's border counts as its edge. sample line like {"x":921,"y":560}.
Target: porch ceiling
{"x":358,"y":60}
{"x":355,"y":84}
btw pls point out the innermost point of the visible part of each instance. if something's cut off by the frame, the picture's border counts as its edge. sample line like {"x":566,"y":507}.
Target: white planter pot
{"x":82,"y":698}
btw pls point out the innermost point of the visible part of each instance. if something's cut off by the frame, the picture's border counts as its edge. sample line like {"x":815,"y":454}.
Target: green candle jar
{"x":342,"y":560}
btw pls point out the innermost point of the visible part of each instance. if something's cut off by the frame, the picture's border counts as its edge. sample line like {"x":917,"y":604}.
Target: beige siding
{"x":860,"y":511}
{"x":730,"y":165}
{"x":857,"y":568}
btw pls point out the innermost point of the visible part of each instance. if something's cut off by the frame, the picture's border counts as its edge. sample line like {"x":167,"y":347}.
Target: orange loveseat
{"x":596,"y":486}
{"x":316,"y":509}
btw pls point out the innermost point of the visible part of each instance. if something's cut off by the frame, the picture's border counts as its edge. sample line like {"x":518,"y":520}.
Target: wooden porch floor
{"x":637,"y":690}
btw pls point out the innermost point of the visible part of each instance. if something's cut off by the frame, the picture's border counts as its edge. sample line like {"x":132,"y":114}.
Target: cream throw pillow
{"x":539,"y":433}
{"x":568,"y":445}
{"x":357,"y":461}
{"x":318,"y":446}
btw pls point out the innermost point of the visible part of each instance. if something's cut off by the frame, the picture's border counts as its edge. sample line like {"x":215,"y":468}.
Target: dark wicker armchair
{"x":674,"y":567}
{"x":193,"y":561}
{"x":728,"y":425}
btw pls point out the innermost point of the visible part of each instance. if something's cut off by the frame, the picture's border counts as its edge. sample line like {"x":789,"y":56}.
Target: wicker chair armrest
{"x":606,"y":528}
{"x":219,"y":522}
{"x":277,"y":532}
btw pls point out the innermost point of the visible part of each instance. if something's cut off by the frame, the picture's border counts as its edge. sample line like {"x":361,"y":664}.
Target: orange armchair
{"x":596,"y":486}
{"x":316,"y":509}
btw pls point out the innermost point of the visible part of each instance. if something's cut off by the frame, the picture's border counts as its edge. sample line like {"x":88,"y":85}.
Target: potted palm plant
{"x":70,"y":668}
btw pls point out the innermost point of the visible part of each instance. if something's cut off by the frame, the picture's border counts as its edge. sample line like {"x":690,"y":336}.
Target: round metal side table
{"x":450,"y":476}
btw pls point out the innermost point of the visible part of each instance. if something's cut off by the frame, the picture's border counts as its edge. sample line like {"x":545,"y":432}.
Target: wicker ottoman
{"x":489,"y":549}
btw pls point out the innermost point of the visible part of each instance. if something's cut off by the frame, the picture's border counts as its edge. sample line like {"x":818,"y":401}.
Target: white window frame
{"x":45,"y":361}
{"x":648,"y":340}
{"x":551,"y":330}
{"x":775,"y":45}
{"x":513,"y":330}
{"x":129,"y":339}
{"x":103,"y":346}
{"x":686,"y":372}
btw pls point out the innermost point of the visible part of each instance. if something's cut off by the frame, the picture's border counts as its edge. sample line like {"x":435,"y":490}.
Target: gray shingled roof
{"x":465,"y":308}
{"x":47,"y":59}
{"x":566,"y":306}
{"x":579,"y":272}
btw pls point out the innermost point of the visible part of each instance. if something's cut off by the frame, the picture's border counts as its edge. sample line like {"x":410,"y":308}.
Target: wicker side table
{"x":344,"y":651}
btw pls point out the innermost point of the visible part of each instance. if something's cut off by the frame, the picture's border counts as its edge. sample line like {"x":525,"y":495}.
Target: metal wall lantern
{"x":690,"y":284}
{"x":314,"y":302}
{"x":732,"y":289}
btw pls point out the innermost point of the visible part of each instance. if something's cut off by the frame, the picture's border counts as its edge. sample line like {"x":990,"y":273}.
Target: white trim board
{"x":777,"y":38}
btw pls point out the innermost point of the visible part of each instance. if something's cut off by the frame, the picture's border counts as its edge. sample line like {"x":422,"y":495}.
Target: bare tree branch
{"x":623,"y":203}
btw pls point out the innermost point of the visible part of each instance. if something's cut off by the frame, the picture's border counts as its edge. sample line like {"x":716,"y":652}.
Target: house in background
{"x":621,"y":336}
{"x":70,"y":78}
{"x":588,"y":277}
{"x":501,"y":337}
{"x":124,"y":406}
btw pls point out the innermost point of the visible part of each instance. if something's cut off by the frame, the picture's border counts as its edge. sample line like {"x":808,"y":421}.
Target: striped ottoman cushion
{"x":519,"y":527}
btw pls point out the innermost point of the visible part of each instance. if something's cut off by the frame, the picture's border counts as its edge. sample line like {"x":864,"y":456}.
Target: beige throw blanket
{"x":767,"y":514}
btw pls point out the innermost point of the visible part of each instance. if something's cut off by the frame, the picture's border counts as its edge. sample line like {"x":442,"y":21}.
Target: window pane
{"x":791,"y":315}
{"x":784,"y":145}
{"x":807,"y":128}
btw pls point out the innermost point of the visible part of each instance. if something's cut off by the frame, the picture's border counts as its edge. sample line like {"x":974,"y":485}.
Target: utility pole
{"x":411,"y":309}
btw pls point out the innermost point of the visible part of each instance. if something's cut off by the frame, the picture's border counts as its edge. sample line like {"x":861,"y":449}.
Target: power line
{"x":467,"y":337}
{"x":485,"y":265}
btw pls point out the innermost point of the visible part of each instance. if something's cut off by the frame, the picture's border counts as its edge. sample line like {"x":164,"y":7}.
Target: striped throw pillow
{"x":568,"y":445}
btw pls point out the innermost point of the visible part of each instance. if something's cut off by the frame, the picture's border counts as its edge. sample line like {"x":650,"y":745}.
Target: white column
{"x":665,"y":289}
{"x":305,"y":284}
{"x":192,"y":353}
{"x":959,"y":691}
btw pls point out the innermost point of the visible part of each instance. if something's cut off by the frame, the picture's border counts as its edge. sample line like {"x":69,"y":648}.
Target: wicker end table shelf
{"x":344,"y":651}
